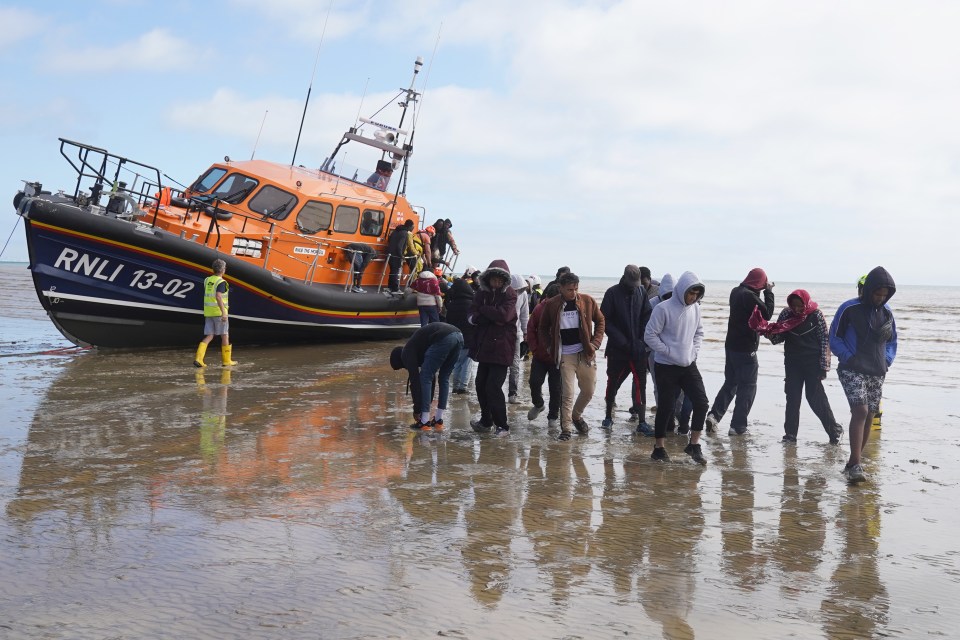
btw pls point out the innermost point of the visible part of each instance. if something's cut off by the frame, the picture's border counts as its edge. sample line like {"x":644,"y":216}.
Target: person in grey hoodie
{"x":674,"y":333}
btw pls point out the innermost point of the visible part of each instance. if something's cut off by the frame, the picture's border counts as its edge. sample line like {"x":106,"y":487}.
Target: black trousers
{"x":396,"y":268}
{"x":618,"y":370}
{"x":739,"y":380}
{"x":799,"y":374}
{"x":538,"y":371}
{"x":493,"y":406}
{"x":671,"y":379}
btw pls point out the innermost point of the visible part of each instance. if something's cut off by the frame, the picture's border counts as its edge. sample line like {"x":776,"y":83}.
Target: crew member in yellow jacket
{"x":216,"y":307}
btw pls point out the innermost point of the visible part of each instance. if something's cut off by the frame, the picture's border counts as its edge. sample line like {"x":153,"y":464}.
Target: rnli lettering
{"x":103,"y":269}
{"x":309,"y":251}
{"x":93,"y":266}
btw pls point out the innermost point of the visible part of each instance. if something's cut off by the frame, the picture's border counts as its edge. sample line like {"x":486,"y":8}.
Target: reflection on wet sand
{"x":857,"y":602}
{"x":229,"y":498}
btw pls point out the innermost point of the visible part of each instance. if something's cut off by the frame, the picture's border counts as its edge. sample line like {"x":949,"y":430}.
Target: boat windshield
{"x":360,"y":175}
{"x":235,"y":188}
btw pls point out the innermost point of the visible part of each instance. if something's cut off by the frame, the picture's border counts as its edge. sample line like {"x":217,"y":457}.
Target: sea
{"x":286,"y":497}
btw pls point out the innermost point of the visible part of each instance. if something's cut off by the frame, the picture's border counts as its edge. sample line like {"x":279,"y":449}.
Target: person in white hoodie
{"x":674,"y":333}
{"x":523,"y":316}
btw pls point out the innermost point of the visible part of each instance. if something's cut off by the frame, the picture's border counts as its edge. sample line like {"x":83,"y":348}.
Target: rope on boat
{"x":2,"y":251}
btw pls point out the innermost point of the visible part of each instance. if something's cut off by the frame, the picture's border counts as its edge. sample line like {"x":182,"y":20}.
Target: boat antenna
{"x":261,"y":131}
{"x":416,"y":112}
{"x":310,"y":88}
{"x":360,"y":108}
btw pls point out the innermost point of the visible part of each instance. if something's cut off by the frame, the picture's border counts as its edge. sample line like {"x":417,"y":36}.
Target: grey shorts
{"x":861,"y":389}
{"x":214,"y":326}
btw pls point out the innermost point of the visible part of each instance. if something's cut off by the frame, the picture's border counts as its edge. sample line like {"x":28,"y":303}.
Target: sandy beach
{"x":286,"y":498}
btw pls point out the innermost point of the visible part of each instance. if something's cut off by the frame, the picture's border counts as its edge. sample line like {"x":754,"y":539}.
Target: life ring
{"x":221,"y":214}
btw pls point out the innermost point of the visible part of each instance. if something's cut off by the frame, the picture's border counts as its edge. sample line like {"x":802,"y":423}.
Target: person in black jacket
{"x":457,"y":303}
{"x":740,"y":369}
{"x":626,"y":309}
{"x":396,"y":246}
{"x":431,"y":351}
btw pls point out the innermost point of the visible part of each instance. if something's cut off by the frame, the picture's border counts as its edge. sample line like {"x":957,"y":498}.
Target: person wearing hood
{"x":626,"y":310}
{"x":442,"y":239}
{"x":457,"y":303}
{"x":863,"y":335}
{"x":536,"y":292}
{"x":494,"y":317}
{"x":572,"y":328}
{"x":649,"y":285}
{"x":740,"y":369}
{"x":806,"y":361}
{"x":430,"y":352}
{"x":674,"y":333}
{"x":682,"y":408}
{"x":428,"y":297}
{"x":523,"y":316}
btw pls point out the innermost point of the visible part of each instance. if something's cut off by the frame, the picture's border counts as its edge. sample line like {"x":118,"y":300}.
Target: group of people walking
{"x":494,"y":318}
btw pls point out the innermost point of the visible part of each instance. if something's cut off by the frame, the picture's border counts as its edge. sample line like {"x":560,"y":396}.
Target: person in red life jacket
{"x":806,"y":361}
{"x":494,"y":317}
{"x":863,"y":335}
{"x":431,"y":352}
{"x":740,"y":369}
{"x":428,"y":297}
{"x":216,"y":307}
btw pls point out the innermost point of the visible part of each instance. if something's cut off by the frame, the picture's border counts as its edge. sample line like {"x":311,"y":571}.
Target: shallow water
{"x":287,"y":498}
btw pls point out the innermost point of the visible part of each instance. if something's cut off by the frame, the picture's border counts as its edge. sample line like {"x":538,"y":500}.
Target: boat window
{"x":347,"y":219}
{"x":205,"y":182}
{"x":371,"y":224}
{"x":235,"y":188}
{"x":271,"y":202}
{"x":315,"y":216}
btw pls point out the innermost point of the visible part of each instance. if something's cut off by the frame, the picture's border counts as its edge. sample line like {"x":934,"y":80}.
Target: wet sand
{"x":287,"y":498}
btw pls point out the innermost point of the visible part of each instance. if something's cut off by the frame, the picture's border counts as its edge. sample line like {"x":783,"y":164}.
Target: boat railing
{"x":99,"y":164}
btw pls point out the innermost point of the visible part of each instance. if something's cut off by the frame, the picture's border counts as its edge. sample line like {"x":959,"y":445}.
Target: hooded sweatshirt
{"x":518,"y":284}
{"x":862,"y":335}
{"x":674,"y":332}
{"x":494,"y":314}
{"x":427,"y":288}
{"x":743,"y":299}
{"x":666,"y":290}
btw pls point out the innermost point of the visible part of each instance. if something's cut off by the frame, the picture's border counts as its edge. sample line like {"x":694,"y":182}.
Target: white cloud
{"x":17,"y":25}
{"x":154,"y":51}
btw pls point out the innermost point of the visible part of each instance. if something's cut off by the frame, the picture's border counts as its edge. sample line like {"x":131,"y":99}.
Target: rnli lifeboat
{"x":119,"y":261}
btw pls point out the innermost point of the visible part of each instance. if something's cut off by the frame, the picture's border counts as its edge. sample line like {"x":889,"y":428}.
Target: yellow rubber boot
{"x":226,"y":350}
{"x":201,"y":353}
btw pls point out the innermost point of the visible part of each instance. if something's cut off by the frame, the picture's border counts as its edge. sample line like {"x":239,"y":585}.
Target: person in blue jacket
{"x":863,"y":336}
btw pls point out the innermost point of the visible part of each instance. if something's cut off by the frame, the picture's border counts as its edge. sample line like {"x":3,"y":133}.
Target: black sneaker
{"x":479,"y":427}
{"x":837,"y":434}
{"x":437,"y":424}
{"x":711,"y":423}
{"x":693,"y":450}
{"x":660,"y":454}
{"x":534,"y":412}
{"x":582,"y":427}
{"x":683,"y":429}
{"x":416,"y":426}
{"x":789,"y":438}
{"x":460,"y":390}
{"x":502,"y":431}
{"x":564,"y":436}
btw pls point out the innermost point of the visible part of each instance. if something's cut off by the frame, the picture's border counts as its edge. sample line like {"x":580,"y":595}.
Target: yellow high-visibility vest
{"x":210,"y":306}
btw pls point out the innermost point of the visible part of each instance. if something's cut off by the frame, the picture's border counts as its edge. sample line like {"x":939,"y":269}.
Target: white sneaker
{"x":711,"y":422}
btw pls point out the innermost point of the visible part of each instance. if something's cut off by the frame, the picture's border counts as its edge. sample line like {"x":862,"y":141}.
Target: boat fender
{"x":180,"y":203}
{"x":221,"y":215}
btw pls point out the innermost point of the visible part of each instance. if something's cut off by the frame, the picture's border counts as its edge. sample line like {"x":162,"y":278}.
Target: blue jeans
{"x":440,"y":357}
{"x":428,"y":315}
{"x":461,"y":371}
{"x":740,"y":381}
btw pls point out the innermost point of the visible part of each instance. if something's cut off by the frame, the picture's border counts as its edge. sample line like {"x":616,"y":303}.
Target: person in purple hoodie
{"x":494,"y":316}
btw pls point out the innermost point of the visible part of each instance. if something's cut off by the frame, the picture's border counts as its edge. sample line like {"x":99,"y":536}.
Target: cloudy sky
{"x":814,"y":139}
